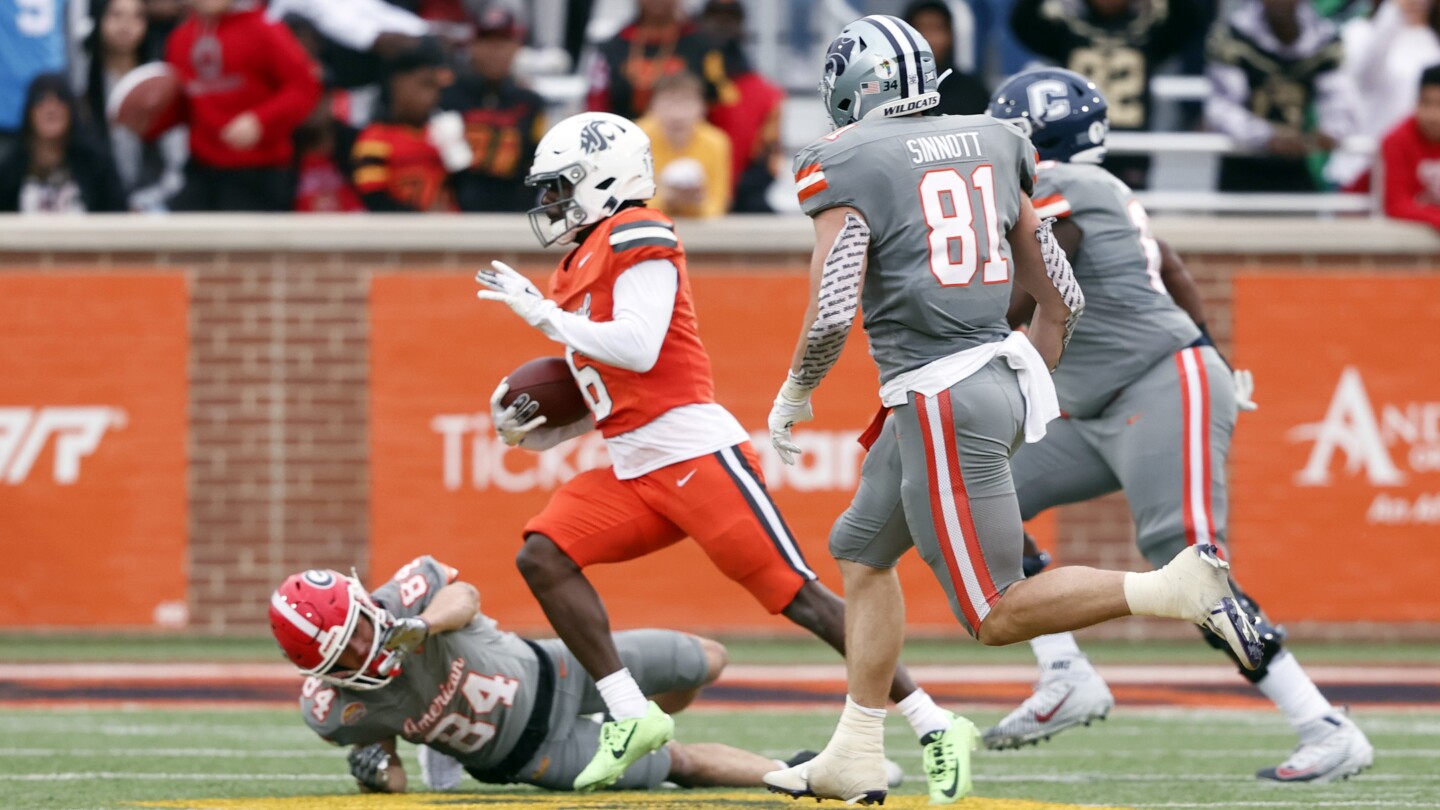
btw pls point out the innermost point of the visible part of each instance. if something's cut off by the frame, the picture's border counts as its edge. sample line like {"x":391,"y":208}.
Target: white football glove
{"x":792,"y":405}
{"x":446,"y":132}
{"x":512,"y":424}
{"x":506,"y":285}
{"x":1245,"y":390}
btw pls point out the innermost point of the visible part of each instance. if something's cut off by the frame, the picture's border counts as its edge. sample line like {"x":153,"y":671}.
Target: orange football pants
{"x":720,"y":500}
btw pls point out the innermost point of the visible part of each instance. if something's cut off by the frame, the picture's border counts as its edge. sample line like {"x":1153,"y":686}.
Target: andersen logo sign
{"x":1385,"y":444}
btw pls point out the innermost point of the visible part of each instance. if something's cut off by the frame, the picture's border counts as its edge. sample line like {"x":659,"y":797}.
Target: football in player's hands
{"x":547,"y":381}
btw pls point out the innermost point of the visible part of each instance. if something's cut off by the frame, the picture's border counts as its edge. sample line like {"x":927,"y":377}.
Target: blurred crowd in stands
{"x":417,"y":105}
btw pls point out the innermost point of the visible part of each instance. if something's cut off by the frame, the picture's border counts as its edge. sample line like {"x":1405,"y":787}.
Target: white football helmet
{"x":585,"y":167}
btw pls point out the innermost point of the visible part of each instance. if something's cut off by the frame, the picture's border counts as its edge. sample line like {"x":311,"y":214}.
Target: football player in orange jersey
{"x":682,"y":465}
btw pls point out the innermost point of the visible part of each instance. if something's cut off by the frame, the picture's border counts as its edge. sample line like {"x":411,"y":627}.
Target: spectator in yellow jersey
{"x":692,"y":157}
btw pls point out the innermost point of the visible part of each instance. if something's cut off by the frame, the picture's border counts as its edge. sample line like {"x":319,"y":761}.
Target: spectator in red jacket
{"x":247,"y":85}
{"x":746,"y":107}
{"x":1411,"y":156}
{"x":404,"y":162}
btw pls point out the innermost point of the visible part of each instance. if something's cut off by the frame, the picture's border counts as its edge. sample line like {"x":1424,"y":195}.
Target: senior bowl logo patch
{"x":353,"y":713}
{"x":320,"y":579}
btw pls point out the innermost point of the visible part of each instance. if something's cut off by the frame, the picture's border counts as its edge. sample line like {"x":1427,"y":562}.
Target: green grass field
{"x":69,"y":756}
{"x":94,"y":760}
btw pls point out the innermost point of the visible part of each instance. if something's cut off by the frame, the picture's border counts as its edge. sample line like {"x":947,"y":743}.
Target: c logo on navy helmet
{"x":320,"y":579}
{"x":1049,"y":101}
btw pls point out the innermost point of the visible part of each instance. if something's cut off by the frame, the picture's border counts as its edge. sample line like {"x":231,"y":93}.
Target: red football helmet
{"x":314,"y":615}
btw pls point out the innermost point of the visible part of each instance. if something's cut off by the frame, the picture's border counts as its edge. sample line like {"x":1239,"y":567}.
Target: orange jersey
{"x":584,"y":283}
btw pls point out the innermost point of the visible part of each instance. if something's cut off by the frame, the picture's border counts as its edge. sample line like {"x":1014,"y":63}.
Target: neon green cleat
{"x":946,"y":760}
{"x":622,"y":744}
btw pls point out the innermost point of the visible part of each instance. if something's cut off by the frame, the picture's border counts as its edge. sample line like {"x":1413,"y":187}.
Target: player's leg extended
{"x":728,"y":510}
{"x":1179,"y":499}
{"x":595,"y":518}
{"x":670,"y":667}
{"x":867,"y":540}
{"x":874,"y":532}
{"x":1063,"y":468}
{"x":971,"y":496}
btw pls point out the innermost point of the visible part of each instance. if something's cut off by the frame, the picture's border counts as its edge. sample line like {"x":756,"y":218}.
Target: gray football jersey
{"x":1130,"y":321}
{"x":939,"y":194}
{"x":467,"y":693}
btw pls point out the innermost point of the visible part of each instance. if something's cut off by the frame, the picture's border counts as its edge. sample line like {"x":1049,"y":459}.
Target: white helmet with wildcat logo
{"x":586,"y":167}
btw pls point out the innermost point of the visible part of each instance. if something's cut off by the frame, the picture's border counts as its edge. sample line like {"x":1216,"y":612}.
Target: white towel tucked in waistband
{"x":1035,"y":384}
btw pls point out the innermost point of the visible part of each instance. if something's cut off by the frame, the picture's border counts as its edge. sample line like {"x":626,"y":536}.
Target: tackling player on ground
{"x":1149,"y":408}
{"x":928,"y":221}
{"x":416,"y":659}
{"x":621,"y":304}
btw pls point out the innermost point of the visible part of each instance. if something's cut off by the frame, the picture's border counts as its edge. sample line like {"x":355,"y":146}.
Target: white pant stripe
{"x":950,"y":510}
{"x":777,"y":526}
{"x":1196,"y":451}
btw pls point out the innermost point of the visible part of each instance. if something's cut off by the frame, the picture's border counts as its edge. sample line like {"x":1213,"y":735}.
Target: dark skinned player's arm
{"x":1022,"y":305}
{"x":1180,"y":284}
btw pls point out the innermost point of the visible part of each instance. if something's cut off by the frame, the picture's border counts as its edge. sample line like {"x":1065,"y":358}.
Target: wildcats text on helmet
{"x":905,"y":106}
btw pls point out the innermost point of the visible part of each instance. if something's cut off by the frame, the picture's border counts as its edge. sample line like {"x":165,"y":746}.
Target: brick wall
{"x":278,"y":417}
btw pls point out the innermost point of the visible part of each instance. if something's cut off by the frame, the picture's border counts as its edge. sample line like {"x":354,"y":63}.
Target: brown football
{"x":548,"y":381}
{"x":143,"y":97}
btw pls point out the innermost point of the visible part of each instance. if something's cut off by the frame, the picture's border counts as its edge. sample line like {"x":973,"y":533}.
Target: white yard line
{"x":174,"y":777}
{"x":1298,"y":803}
{"x":206,"y":753}
{"x":1101,"y":777}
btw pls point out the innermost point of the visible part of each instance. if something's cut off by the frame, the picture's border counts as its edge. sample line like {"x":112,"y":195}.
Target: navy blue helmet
{"x":1064,"y":113}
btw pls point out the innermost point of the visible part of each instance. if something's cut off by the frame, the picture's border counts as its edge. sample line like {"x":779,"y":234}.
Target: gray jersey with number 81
{"x":939,"y":194}
{"x":1130,"y":321}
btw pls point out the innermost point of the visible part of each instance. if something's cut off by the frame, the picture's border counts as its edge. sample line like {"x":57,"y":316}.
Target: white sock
{"x":922,"y":713}
{"x":1292,"y":691}
{"x":1057,"y":645}
{"x":1150,"y":593}
{"x":622,"y":695}
{"x":851,"y":707}
{"x":861,"y":730}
